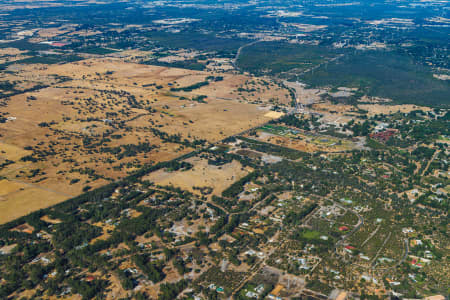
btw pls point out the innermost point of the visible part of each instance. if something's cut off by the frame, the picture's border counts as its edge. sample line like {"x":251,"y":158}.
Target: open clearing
{"x":374,"y":109}
{"x":7,"y":187}
{"x":18,"y":199}
{"x":201,"y":175}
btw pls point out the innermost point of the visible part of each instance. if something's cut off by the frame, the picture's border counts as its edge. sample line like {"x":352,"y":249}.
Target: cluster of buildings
{"x":256,"y":292}
{"x":384,"y":136}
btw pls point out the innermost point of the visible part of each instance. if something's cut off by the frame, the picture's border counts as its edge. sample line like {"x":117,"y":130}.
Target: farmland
{"x":108,"y":118}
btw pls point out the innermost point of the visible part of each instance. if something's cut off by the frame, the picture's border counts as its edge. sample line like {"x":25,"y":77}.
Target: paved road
{"x":405,"y":255}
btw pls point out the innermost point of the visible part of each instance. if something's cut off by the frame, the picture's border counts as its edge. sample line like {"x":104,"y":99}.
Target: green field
{"x":311,"y":235}
{"x":280,"y":130}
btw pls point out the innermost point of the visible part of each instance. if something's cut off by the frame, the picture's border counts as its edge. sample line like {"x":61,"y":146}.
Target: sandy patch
{"x":274,"y":114}
{"x":442,"y":76}
{"x":374,"y":109}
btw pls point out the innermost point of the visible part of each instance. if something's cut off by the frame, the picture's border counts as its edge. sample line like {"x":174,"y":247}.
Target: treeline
{"x":190,"y":88}
{"x":293,"y":121}
{"x":296,"y":217}
{"x":197,"y":85}
{"x":177,"y":139}
{"x":174,"y":165}
{"x":237,"y":187}
{"x":16,"y":92}
{"x":169,"y":291}
{"x":128,"y":150}
{"x":226,"y":224}
{"x":88,"y":290}
{"x":232,"y":205}
{"x":359,"y":129}
{"x":422,"y":152}
{"x":153,"y":269}
{"x":274,"y":149}
{"x":68,"y":235}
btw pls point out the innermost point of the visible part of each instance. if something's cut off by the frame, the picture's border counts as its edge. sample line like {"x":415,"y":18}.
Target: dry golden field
{"x":306,"y":143}
{"x":201,"y":175}
{"x":99,"y":119}
{"x":374,"y":109}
